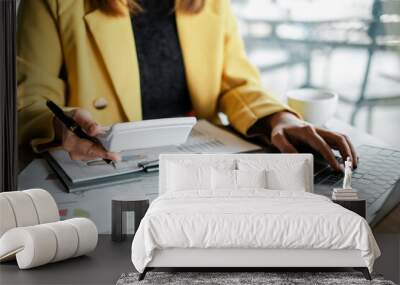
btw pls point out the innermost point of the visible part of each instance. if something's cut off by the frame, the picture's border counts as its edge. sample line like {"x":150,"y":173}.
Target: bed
{"x":247,"y":211}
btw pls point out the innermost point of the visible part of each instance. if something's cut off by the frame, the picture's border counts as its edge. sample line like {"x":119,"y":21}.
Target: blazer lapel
{"x":115,"y":41}
{"x":199,"y":38}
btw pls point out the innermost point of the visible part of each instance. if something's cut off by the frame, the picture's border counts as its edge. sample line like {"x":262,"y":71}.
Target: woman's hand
{"x":81,"y":149}
{"x":287,"y":131}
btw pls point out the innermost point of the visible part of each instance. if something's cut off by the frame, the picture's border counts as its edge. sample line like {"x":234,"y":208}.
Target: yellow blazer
{"x":71,"y":52}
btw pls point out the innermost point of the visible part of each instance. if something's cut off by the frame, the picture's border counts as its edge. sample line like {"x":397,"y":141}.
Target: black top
{"x":163,"y":85}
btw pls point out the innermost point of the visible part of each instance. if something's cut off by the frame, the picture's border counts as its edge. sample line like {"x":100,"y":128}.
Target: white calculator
{"x":147,"y":134}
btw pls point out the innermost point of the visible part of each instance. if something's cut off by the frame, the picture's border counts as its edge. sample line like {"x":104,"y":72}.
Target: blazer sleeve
{"x":242,"y":97}
{"x":39,"y":63}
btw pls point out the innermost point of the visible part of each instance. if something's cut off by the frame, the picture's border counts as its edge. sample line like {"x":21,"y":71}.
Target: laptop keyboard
{"x":375,"y":177}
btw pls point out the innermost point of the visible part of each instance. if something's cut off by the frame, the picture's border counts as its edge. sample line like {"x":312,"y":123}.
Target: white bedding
{"x":250,"y":219}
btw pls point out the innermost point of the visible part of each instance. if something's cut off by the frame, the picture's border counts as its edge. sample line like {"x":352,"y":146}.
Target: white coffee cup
{"x":316,"y":106}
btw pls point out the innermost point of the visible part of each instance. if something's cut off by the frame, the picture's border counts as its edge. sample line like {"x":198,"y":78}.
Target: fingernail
{"x":114,"y":156}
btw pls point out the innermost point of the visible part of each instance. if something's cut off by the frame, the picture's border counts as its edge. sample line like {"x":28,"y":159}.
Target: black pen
{"x":73,"y":126}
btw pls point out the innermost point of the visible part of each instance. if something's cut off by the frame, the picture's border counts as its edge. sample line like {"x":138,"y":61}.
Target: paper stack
{"x":344,"y":194}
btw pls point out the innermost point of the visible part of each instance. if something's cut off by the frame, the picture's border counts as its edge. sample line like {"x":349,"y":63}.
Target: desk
{"x":110,"y":260}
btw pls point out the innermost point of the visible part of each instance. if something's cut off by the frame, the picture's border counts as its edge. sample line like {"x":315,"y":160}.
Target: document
{"x":204,"y":138}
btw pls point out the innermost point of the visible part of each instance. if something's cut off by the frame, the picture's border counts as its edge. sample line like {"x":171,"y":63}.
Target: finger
{"x":353,"y":151}
{"x":336,"y":141}
{"x":78,"y":157}
{"x":90,"y":156}
{"x":341,"y":143}
{"x":114,"y":156}
{"x":90,"y":150}
{"x":75,"y":156}
{"x":70,"y":142}
{"x":108,"y":155}
{"x":318,"y":143}
{"x":309,"y":135}
{"x":77,"y":149}
{"x":94,"y":129}
{"x":85,"y":120}
{"x":82,"y":148}
{"x":280,"y":141}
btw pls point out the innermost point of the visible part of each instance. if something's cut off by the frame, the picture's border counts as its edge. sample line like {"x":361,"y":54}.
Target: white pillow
{"x":182,"y":177}
{"x":223,"y":179}
{"x":251,"y":178}
{"x":294,"y":180}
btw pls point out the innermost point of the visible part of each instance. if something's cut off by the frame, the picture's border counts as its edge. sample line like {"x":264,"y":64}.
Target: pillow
{"x":223,"y":179}
{"x":284,"y":172}
{"x":294,"y":180}
{"x":251,"y":178}
{"x":236,"y":179}
{"x":182,"y":177}
{"x":193,"y":174}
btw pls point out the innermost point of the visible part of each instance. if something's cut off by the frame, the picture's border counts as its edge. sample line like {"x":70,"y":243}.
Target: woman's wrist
{"x":265,"y":125}
{"x":278,"y":118}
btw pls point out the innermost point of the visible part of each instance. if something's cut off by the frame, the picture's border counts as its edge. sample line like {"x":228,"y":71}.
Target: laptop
{"x":377,"y":179}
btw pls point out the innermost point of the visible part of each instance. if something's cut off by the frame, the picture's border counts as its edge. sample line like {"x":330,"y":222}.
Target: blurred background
{"x":349,"y":46}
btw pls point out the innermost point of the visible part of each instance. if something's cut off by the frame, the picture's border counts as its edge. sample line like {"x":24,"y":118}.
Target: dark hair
{"x":121,"y":7}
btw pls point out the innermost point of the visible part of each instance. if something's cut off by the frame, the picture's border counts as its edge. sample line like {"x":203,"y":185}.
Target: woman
{"x":127,"y":60}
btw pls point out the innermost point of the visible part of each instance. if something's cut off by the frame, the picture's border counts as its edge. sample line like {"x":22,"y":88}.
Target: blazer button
{"x":100,"y":103}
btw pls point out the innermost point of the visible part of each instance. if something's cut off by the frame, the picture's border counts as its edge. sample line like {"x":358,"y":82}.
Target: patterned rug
{"x":244,"y":278}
